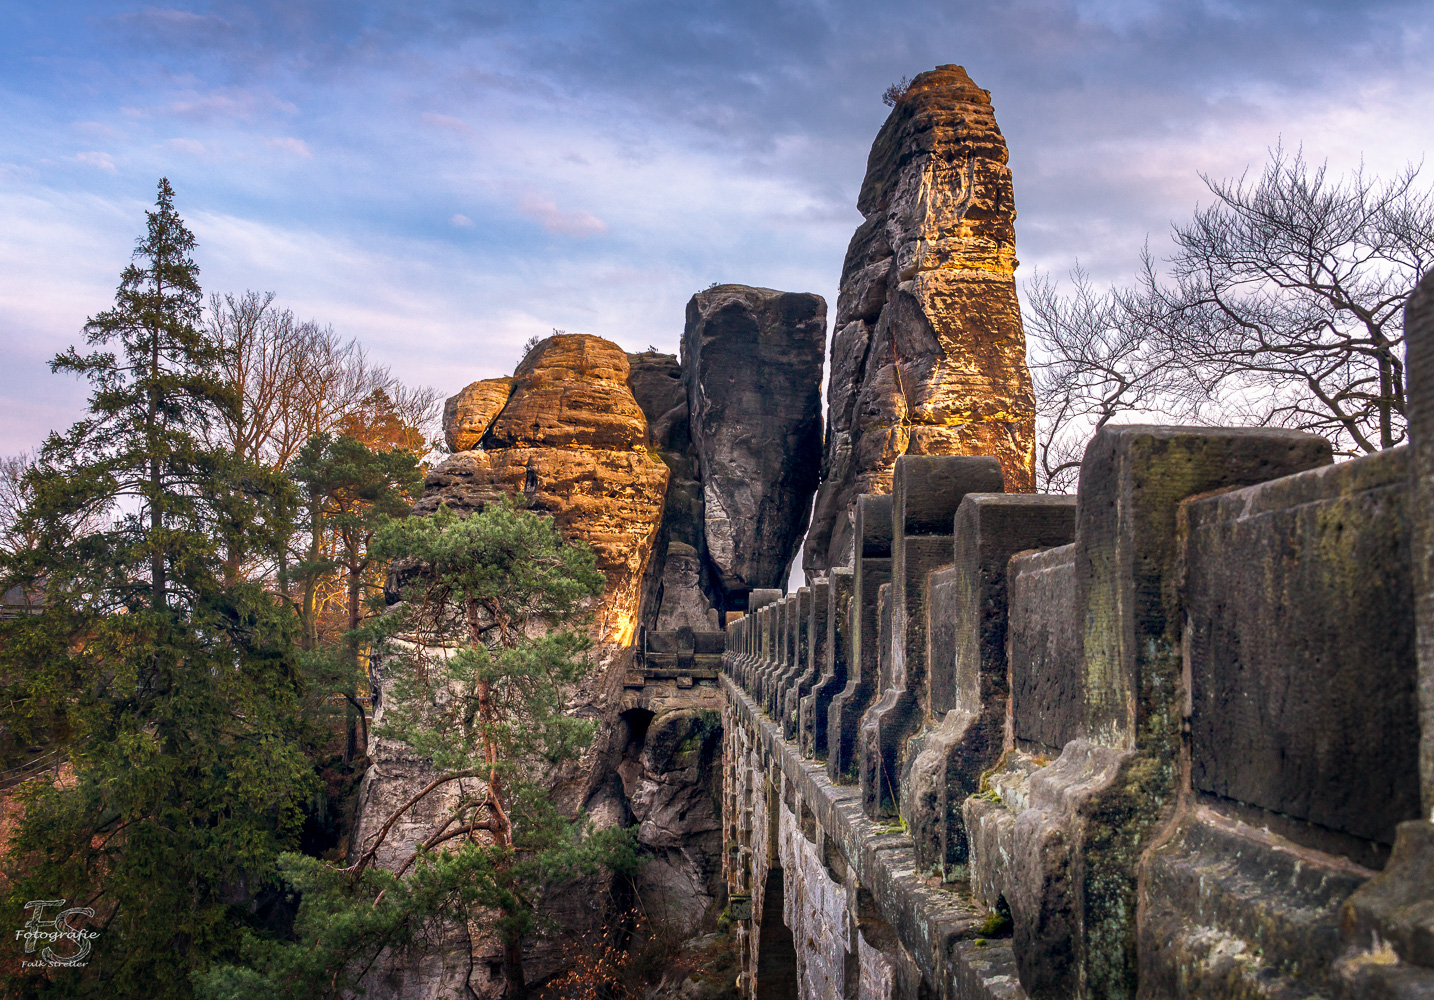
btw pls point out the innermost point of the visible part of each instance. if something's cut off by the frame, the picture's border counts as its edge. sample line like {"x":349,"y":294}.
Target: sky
{"x":443,"y":180}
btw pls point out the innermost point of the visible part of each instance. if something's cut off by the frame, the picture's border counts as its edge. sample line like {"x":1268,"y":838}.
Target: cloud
{"x":461,"y":221}
{"x":216,"y":106}
{"x":191,"y":146}
{"x":576,"y":224}
{"x":290,"y":145}
{"x":101,"y":161}
{"x":447,"y":123}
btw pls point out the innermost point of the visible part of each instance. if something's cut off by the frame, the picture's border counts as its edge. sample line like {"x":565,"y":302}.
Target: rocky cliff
{"x":572,"y":438}
{"x":928,"y":352}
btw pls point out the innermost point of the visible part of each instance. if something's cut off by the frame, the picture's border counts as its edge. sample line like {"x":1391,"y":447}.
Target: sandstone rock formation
{"x":468,"y":415}
{"x":928,"y":351}
{"x":752,"y":363}
{"x":572,"y":438}
{"x":678,"y":589}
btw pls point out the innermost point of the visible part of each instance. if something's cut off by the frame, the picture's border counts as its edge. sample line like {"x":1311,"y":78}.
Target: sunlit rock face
{"x":928,"y":352}
{"x":752,"y":365}
{"x":572,"y":439}
{"x":468,"y":415}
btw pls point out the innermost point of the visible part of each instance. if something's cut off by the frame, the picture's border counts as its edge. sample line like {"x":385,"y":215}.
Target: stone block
{"x":1230,"y":909}
{"x":1298,"y":705}
{"x":813,"y":662}
{"x":1044,"y":638}
{"x":926,"y":492}
{"x":799,"y":629}
{"x":1099,"y":804}
{"x":1389,"y":922}
{"x":967,"y":651}
{"x":876,"y":761}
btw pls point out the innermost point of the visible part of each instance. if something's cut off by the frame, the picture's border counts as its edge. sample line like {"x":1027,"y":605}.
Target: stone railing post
{"x":871,"y":569}
{"x":813,"y":661}
{"x":926,"y":491}
{"x":1095,"y":809}
{"x":836,"y":652}
{"x":967,"y":651}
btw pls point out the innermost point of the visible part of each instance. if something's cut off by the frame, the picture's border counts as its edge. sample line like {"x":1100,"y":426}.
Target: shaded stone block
{"x":927,"y":490}
{"x":1044,"y":636}
{"x":799,"y":630}
{"x":1298,"y":705}
{"x":1392,"y":915}
{"x":813,"y":661}
{"x":1088,"y":816}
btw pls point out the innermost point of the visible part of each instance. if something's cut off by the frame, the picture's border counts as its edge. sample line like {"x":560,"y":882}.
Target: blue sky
{"x":442,"y":180}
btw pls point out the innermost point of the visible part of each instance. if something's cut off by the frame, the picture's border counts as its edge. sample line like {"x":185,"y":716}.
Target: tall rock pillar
{"x":752,"y":366}
{"x":928,"y":352}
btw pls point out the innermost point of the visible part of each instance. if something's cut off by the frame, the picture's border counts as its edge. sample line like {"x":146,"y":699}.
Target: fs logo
{"x":59,"y":928}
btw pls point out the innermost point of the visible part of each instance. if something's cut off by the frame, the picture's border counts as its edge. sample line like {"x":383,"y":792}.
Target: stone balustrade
{"x":1171,"y":737}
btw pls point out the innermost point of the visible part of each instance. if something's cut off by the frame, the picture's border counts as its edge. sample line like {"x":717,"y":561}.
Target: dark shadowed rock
{"x":677,"y":588}
{"x":752,"y":363}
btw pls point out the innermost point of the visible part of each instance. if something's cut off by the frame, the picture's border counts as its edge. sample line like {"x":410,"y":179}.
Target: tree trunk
{"x":515,"y":987}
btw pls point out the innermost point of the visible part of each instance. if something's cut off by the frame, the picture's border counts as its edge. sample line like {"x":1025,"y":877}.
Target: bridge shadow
{"x":776,"y":951}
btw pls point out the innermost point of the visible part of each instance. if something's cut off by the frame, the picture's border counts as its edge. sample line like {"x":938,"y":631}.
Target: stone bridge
{"x":1160,"y":739}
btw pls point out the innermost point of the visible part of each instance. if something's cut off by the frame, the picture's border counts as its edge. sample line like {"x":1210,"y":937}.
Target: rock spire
{"x":928,"y":352}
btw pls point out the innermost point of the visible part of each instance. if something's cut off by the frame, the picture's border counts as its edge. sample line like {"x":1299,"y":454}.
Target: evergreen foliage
{"x":490,"y":620}
{"x":172,"y":683}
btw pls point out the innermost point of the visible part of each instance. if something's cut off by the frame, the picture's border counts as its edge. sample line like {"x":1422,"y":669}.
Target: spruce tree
{"x":170,"y":684}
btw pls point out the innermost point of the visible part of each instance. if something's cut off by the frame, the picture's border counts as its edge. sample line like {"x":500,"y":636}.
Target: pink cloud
{"x":555,"y":220}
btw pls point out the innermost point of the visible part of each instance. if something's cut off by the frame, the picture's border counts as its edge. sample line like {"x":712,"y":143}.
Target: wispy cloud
{"x":290,"y":145}
{"x":100,"y":161}
{"x":577,"y":224}
{"x":447,"y":123}
{"x":192,"y":147}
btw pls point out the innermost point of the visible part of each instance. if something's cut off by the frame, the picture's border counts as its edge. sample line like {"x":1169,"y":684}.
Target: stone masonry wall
{"x":1167,"y":739}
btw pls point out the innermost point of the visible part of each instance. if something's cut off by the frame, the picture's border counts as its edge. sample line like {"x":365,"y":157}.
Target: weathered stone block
{"x":1389,"y":922}
{"x":1044,"y":637}
{"x":967,"y":643}
{"x":1300,"y":641}
{"x":926,"y":494}
{"x":1099,"y":804}
{"x":813,"y":661}
{"x":1229,"y":910}
{"x":833,"y":680}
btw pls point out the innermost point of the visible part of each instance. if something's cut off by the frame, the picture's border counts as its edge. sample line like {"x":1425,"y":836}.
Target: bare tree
{"x":15,"y":535}
{"x":1091,"y":361}
{"x":1282,"y":305}
{"x":1285,"y":301}
{"x":299,"y":379}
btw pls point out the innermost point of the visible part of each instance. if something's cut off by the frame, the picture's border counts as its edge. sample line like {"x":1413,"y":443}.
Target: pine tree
{"x":349,"y":492}
{"x":491,"y":620}
{"x":172,"y":684}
